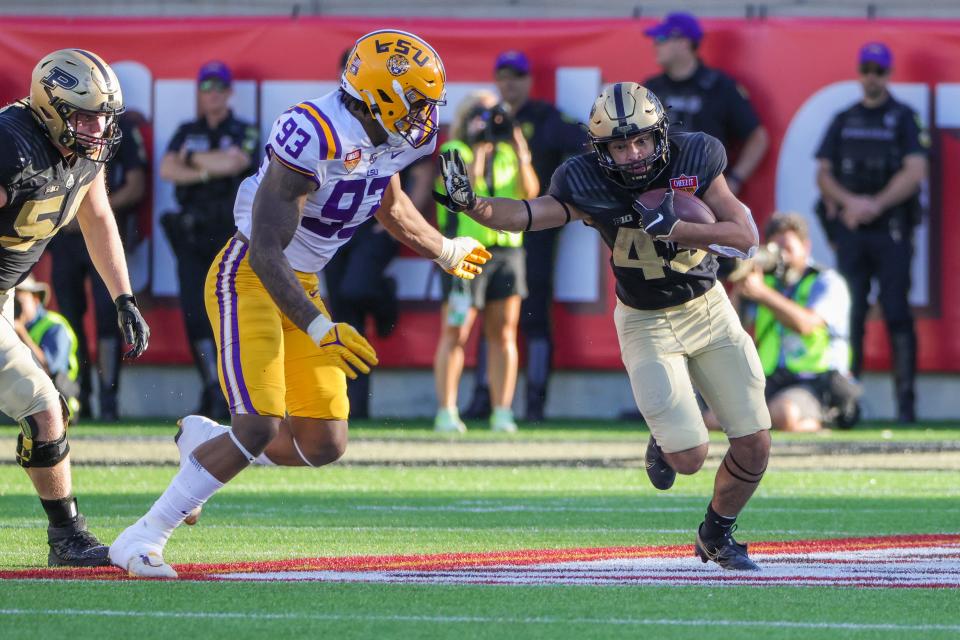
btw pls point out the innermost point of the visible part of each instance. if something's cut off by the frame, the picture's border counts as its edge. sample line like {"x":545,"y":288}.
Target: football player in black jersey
{"x":675,"y":324}
{"x":53,"y":146}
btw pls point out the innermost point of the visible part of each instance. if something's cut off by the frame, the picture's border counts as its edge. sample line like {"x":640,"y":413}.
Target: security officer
{"x":126,"y":176}
{"x":700,"y":98}
{"x":872,"y":161}
{"x":551,"y":138}
{"x":206,"y":159}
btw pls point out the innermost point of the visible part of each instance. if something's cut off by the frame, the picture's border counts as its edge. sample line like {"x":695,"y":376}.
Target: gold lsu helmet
{"x":626,"y":110}
{"x":72,"y":81}
{"x":401,"y":80}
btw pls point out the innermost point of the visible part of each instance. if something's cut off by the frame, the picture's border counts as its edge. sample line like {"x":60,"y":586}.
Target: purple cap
{"x":677,"y":25}
{"x":514,"y":60}
{"x":877,"y":53}
{"x":215,"y":70}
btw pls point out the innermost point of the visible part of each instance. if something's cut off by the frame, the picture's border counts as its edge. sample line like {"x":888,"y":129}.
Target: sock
{"x":453,"y":413}
{"x":263,"y":461}
{"x":61,"y":512}
{"x":501,"y":414}
{"x":190,"y":488}
{"x":715,"y":525}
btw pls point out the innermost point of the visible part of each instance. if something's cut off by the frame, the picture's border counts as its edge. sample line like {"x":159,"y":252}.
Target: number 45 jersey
{"x":322,"y":141}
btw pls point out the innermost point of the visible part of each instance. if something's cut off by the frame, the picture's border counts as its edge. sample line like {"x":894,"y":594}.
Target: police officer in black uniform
{"x":206,"y":159}
{"x":675,"y":324}
{"x":872,"y":161}
{"x":552,"y":138}
{"x":700,"y":98}
{"x":126,"y":176}
{"x":52,"y":148}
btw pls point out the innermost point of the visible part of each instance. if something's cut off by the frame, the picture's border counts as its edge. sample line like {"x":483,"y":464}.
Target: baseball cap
{"x":215,"y":70}
{"x":677,"y":25}
{"x":514,"y":60}
{"x":876,"y":53}
{"x":31,"y":285}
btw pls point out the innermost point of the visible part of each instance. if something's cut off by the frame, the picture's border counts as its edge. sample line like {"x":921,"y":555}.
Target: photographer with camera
{"x":801,"y":319}
{"x":498,"y":159}
{"x":206,"y":159}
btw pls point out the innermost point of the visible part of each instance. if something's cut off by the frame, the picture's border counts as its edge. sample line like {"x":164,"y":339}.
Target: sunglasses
{"x":213,"y":85}
{"x":873,"y":70}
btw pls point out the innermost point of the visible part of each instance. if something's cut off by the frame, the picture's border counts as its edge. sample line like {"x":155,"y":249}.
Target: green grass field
{"x":363,"y":508}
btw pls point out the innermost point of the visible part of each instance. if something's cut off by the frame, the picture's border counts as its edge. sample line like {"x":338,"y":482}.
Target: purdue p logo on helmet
{"x":72,"y":81}
{"x":401,"y":80}
{"x":622,"y":111}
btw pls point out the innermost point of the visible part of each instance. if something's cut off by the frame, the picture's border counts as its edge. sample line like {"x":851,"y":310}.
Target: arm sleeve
{"x":560,"y":184}
{"x":741,"y":114}
{"x":830,"y":299}
{"x":301,"y":144}
{"x":828,"y":146}
{"x":913,"y":137}
{"x":176,"y":142}
{"x":55,"y":345}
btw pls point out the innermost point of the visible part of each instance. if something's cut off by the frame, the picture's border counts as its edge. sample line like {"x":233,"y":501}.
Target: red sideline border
{"x":462,"y":560}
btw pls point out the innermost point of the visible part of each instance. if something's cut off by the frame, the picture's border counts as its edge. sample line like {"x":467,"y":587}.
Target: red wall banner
{"x":782,"y":63}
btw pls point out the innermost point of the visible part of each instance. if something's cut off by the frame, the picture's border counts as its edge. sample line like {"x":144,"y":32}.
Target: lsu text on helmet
{"x":625,"y":110}
{"x":401,"y":80}
{"x":73,"y":82}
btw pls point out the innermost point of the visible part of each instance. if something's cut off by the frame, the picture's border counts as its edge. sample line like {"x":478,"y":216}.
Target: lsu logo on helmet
{"x":626,"y":110}
{"x":74,"y":81}
{"x":401,"y":80}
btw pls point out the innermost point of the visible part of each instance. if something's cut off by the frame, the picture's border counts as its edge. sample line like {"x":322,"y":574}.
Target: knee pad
{"x":41,"y":453}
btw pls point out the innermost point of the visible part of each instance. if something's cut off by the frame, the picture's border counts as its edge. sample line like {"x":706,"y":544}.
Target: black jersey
{"x":651,"y":274}
{"x":43,"y":190}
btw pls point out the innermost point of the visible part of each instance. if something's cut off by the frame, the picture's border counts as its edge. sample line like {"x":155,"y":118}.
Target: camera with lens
{"x":491,"y":124}
{"x":768,"y":259}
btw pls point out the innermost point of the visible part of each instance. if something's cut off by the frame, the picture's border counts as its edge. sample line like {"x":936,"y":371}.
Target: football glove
{"x":341,"y":346}
{"x":459,"y":194}
{"x":660,"y":221}
{"x":132,"y":326}
{"x":462,"y":257}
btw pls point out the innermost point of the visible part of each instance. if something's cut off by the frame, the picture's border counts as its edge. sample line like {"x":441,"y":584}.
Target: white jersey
{"x":320,"y":139}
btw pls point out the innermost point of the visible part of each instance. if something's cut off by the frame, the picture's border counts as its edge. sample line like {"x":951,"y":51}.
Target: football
{"x":687,"y":206}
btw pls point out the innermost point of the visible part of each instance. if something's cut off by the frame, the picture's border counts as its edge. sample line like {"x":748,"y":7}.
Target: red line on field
{"x":434,"y":562}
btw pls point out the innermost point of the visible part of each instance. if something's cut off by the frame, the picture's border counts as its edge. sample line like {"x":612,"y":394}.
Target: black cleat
{"x":74,"y":546}
{"x":660,"y":473}
{"x":726,"y":552}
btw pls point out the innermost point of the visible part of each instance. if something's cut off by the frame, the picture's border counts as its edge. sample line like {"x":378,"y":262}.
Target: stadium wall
{"x":797,"y":72}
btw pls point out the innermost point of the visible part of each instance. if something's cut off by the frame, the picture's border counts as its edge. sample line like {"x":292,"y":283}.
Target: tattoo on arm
{"x":276,"y":215}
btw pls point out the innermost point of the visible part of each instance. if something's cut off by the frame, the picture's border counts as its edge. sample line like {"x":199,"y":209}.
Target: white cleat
{"x":138,"y":555}
{"x":194,"y":431}
{"x":501,"y":420}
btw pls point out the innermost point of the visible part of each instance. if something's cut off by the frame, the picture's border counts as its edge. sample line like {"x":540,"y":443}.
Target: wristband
{"x":319,"y":327}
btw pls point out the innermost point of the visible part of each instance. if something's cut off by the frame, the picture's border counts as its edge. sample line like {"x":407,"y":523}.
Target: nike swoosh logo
{"x":658,"y":219}
{"x":394,"y":154}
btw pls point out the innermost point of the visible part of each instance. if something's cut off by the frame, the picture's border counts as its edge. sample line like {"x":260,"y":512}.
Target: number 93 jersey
{"x":321,"y":140}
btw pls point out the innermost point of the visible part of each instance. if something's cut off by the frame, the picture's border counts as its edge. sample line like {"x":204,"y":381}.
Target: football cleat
{"x":74,"y":546}
{"x":660,"y":473}
{"x":140,"y":554}
{"x":726,"y":552}
{"x":191,"y":433}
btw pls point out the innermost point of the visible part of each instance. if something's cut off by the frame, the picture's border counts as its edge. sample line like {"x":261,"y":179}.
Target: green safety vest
{"x":40,"y":328}
{"x":802,"y":353}
{"x":506,"y":184}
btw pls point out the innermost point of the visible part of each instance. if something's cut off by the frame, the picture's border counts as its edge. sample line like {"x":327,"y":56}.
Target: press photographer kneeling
{"x":801,"y":315}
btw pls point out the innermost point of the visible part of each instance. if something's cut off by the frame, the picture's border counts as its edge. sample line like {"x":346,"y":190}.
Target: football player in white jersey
{"x":331,"y":164}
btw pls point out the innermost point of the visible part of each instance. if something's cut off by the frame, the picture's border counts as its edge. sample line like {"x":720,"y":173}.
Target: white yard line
{"x":229,"y":615}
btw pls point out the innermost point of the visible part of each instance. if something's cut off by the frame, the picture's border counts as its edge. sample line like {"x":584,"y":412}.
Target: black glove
{"x":132,"y":325}
{"x":459,"y":196}
{"x":660,"y":221}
